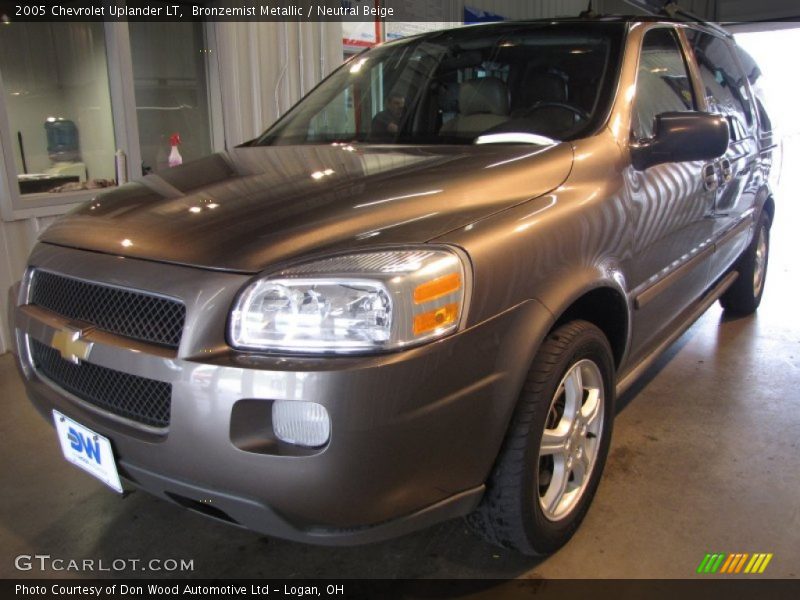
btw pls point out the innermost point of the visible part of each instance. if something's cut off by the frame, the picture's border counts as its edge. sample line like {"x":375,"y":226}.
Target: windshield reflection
{"x":510,"y":83}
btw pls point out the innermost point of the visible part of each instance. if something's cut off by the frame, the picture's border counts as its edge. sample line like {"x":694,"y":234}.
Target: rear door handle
{"x":725,"y":170}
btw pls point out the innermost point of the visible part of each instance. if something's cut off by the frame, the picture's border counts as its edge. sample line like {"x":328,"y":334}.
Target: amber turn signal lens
{"x":433,"y":319}
{"x":436,"y":288}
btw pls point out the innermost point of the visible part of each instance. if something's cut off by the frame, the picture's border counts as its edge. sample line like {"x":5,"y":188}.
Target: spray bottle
{"x":175,"y":157}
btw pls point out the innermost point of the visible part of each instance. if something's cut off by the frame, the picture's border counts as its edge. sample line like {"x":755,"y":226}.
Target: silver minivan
{"x":416,"y":296}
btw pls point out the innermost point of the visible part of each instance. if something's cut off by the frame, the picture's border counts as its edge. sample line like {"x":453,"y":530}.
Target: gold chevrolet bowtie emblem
{"x":68,"y":342}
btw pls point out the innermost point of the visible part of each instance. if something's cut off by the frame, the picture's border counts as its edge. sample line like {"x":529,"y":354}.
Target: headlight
{"x":363,"y":302}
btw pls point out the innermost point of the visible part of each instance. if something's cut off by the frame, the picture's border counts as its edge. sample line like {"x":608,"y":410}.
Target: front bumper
{"x":414,"y":434}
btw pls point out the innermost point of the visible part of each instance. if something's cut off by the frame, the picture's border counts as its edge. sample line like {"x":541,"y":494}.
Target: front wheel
{"x":744,"y":296}
{"x":553,"y":456}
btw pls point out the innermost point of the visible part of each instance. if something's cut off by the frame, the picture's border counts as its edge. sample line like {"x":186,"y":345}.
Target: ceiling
{"x":724,"y":11}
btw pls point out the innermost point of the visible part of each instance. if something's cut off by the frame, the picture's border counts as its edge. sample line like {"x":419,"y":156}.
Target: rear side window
{"x":756,"y":79}
{"x":662,"y":84}
{"x":724,"y":81}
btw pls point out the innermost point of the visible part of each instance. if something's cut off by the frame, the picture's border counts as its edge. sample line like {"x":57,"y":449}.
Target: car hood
{"x":253,"y":207}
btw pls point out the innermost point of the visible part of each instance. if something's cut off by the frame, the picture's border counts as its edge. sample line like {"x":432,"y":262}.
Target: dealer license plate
{"x":88,"y":450}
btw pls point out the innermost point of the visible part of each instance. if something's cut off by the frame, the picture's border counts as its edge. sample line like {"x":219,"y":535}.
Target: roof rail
{"x":669,"y":8}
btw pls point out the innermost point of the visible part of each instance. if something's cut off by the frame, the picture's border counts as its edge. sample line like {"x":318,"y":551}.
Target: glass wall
{"x":56,"y":92}
{"x":169,"y":74}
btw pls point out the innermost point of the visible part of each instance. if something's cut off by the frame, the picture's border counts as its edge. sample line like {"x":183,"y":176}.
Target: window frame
{"x":689,"y":62}
{"x":15,"y":206}
{"x":731,"y":48}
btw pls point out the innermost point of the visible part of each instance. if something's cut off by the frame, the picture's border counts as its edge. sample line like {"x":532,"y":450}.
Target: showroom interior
{"x":704,"y":456}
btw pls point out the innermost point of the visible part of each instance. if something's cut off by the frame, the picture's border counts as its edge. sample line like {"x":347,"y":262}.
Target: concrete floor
{"x":705,"y":458}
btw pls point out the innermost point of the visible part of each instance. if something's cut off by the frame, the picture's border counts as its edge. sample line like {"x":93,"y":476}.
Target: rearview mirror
{"x":682,"y":136}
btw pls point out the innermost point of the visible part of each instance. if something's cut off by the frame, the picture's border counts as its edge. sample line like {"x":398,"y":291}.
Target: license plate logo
{"x":88,"y":450}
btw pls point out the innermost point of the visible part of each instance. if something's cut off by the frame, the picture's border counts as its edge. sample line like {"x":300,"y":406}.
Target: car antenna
{"x":671,"y":9}
{"x":588,"y":13}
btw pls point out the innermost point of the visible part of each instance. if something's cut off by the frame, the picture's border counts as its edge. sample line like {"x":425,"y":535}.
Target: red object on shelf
{"x":175,"y":157}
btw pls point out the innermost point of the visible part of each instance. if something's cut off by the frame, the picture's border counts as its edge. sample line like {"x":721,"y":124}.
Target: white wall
{"x":16,"y":241}
{"x":5,"y":277}
{"x":259,"y":74}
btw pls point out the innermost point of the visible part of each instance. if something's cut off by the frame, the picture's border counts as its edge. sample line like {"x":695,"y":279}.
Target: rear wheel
{"x":744,"y":296}
{"x":552,"y":459}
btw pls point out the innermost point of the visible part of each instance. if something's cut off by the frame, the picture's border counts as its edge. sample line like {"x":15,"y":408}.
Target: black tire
{"x":744,"y":296}
{"x":510,"y":513}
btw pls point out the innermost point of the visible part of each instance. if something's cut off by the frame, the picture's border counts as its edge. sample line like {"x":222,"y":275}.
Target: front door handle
{"x":710,"y":179}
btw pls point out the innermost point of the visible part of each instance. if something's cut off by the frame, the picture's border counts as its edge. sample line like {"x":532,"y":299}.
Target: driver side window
{"x":662,"y":83}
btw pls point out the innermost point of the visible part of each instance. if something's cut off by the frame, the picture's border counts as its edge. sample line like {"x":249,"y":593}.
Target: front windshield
{"x":478,"y":84}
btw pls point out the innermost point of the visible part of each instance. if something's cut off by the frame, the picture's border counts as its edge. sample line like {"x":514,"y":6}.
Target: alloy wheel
{"x":571,"y":439}
{"x":761,"y":262}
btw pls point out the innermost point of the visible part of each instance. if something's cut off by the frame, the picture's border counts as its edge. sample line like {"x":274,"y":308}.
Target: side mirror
{"x":682,"y":136}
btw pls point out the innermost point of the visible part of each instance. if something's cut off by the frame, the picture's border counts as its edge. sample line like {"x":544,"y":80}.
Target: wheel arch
{"x":587,"y":296}
{"x":604,"y":305}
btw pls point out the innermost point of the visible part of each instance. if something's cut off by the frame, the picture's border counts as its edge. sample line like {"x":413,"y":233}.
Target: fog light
{"x":301,"y":423}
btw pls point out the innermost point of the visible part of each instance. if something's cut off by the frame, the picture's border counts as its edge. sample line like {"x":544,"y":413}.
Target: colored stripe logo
{"x":728,"y":564}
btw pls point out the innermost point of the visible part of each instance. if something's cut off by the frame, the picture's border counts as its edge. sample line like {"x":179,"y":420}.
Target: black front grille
{"x":133,"y":314}
{"x":137,"y":398}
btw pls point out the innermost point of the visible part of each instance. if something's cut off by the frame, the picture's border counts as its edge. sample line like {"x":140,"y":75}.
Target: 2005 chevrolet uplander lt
{"x":416,"y":296}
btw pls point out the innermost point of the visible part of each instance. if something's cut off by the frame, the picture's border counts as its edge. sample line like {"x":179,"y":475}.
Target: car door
{"x":727,"y":92}
{"x":670,"y":204}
